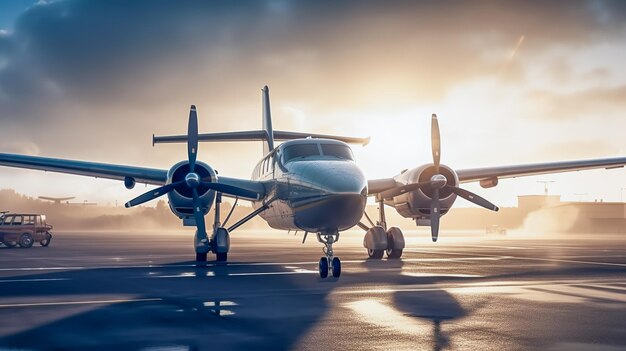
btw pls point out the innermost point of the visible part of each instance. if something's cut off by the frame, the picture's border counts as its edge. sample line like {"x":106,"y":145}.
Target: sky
{"x":512,"y":82}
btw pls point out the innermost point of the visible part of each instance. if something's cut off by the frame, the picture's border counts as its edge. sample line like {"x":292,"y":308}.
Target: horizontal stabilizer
{"x":255,"y":135}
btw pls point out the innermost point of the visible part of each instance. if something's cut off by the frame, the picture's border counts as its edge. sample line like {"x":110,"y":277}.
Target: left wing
{"x":85,"y":168}
{"x":477,"y":174}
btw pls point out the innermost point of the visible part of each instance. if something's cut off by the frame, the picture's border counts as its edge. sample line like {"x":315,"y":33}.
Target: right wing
{"x":85,"y":168}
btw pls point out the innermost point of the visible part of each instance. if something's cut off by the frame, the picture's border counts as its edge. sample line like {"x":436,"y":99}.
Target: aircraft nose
{"x":333,"y":198}
{"x":337,"y":178}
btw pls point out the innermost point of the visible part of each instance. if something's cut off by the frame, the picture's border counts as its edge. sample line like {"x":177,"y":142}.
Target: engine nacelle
{"x":181,"y":198}
{"x":416,"y":204}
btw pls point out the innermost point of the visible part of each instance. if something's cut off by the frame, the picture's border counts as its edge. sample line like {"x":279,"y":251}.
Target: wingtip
{"x":127,"y":205}
{"x":366,"y":141}
{"x":496,"y":208}
{"x":193,"y":107}
{"x":434,"y":115}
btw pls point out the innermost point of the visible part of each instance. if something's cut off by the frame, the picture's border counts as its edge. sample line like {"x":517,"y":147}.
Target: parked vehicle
{"x":24,"y":230}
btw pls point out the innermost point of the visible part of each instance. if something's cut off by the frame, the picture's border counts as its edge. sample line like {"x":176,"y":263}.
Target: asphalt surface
{"x":140,"y":291}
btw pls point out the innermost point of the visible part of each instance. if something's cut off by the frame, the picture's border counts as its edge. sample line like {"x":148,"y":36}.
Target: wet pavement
{"x":140,"y":291}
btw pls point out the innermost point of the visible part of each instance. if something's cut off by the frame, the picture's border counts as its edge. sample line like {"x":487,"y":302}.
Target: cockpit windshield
{"x":298,"y":151}
{"x":337,"y":150}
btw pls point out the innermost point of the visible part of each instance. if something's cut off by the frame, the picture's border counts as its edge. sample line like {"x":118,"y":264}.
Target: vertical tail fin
{"x":267,"y":122}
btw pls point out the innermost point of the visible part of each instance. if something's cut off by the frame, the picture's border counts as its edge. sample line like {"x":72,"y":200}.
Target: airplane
{"x":56,"y":200}
{"x":309,"y":183}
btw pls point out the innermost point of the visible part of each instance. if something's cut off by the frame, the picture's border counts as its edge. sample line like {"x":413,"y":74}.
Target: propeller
{"x":192,"y":179}
{"x":439,"y":181}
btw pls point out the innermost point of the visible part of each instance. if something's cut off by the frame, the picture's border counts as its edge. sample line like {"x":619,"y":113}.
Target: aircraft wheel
{"x":394,"y":253}
{"x":200,"y":256}
{"x":45,"y":242}
{"x":375,"y":254}
{"x":336,"y":266}
{"x":26,"y":240}
{"x":221,"y":256}
{"x":323,"y":267}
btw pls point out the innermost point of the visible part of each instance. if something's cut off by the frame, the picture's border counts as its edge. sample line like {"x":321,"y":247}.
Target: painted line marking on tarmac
{"x":32,"y":280}
{"x":528,"y":258}
{"x":210,"y":265}
{"x":67,"y":303}
{"x":270,"y":273}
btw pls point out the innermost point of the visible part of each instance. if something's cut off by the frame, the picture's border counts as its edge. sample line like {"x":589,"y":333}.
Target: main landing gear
{"x":328,"y":262}
{"x":378,"y":239}
{"x":219,"y":243}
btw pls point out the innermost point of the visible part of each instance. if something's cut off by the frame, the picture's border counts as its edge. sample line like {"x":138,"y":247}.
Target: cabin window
{"x":338,"y":151}
{"x":299,"y":151}
{"x":17,"y":220}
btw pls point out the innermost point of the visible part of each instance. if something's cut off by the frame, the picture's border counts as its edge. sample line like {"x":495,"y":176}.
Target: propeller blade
{"x":435,"y":141}
{"x":434,"y":215}
{"x":198,"y":214}
{"x":471,"y":197}
{"x":192,"y":138}
{"x":388,"y":194}
{"x":230,"y":190}
{"x":152,"y":194}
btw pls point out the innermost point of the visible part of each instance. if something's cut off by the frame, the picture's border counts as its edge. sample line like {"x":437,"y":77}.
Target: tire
{"x":221,"y":256}
{"x":323,"y":267}
{"x":200,"y":256}
{"x":45,"y":242}
{"x":336,"y":267}
{"x":26,"y":241}
{"x":375,"y":254}
{"x":394,"y":253}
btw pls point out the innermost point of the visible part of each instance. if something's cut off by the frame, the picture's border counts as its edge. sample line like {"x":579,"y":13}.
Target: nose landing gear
{"x":328,"y":262}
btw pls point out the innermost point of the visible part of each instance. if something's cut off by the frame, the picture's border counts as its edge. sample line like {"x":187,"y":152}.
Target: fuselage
{"x":315,"y":186}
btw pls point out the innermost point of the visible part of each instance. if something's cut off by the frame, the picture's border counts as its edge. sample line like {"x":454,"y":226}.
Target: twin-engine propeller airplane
{"x":309,"y":183}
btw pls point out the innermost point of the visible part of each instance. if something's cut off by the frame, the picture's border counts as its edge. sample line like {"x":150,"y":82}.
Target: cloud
{"x":596,"y":101}
{"x":102,"y":51}
{"x":569,"y":150}
{"x":94,"y":79}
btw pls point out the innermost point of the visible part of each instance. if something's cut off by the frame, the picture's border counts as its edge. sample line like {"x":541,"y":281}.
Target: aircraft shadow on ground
{"x":186,"y":306}
{"x":189,"y":309}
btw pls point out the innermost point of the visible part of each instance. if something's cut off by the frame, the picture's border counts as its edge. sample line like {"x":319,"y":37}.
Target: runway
{"x":141,"y":291}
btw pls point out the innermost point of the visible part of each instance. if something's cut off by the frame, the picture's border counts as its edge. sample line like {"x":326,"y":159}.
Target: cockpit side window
{"x":298,"y":151}
{"x":337,"y":150}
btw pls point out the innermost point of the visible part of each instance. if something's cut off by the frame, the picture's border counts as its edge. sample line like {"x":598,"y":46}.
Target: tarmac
{"x":142,"y":291}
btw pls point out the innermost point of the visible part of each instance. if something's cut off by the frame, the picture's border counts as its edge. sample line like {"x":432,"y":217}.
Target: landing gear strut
{"x":220,"y":240}
{"x":328,"y":262}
